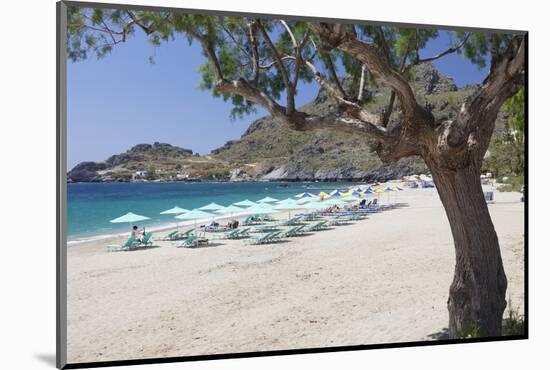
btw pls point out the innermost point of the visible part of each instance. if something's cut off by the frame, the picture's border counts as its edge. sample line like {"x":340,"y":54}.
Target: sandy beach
{"x":378,"y":280}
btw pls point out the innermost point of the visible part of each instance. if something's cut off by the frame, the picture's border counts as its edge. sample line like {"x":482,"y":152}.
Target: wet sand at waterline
{"x":382,"y":279}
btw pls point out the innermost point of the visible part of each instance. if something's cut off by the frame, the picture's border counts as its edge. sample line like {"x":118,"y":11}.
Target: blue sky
{"x":122,"y":99}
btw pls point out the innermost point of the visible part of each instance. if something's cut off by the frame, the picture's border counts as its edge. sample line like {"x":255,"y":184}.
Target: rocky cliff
{"x":268,"y":150}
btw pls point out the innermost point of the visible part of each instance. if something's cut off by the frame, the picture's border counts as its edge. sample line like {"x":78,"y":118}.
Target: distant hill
{"x":268,"y":150}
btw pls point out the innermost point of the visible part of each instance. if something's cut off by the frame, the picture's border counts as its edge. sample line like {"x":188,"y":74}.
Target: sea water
{"x":91,"y":205}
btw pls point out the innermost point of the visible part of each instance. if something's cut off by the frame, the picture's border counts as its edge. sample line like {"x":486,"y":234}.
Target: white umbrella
{"x":244,"y":203}
{"x":175,"y":211}
{"x":287,"y":204}
{"x":229,"y":210}
{"x":195,"y":214}
{"x":211,"y":207}
{"x":260,"y":208}
{"x":130,"y":218}
{"x":267,"y":200}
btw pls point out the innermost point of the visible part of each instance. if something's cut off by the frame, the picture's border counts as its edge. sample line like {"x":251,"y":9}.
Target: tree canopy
{"x":271,"y":55}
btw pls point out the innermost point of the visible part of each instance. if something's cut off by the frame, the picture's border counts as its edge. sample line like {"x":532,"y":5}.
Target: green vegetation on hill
{"x":270,"y":150}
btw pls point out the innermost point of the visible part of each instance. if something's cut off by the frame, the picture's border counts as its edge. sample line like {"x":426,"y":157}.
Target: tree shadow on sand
{"x":442,"y":334}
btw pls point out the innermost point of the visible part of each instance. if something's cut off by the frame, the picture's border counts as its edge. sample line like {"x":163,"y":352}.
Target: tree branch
{"x":282,"y":69}
{"x":370,"y":55}
{"x":255,"y":55}
{"x":332,"y":71}
{"x":387,"y":113}
{"x":450,"y":50}
{"x":477,"y":116}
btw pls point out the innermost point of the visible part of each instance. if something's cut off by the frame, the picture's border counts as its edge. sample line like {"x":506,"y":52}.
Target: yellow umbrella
{"x":324,"y":195}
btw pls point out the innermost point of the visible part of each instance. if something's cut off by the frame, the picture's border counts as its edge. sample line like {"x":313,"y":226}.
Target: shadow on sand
{"x":443,"y":334}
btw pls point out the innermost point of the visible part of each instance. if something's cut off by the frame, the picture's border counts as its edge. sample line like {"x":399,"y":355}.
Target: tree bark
{"x":478,"y":291}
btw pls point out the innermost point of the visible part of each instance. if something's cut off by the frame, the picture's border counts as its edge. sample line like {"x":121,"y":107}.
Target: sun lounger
{"x":292,"y":232}
{"x":339,"y":221}
{"x":266,"y":228}
{"x":267,"y":218}
{"x":214,"y":229}
{"x":191,"y":241}
{"x":291,"y":222}
{"x":253,"y":220}
{"x":236,"y":234}
{"x":122,"y":247}
{"x":244,"y":232}
{"x":145,"y":241}
{"x":171,"y":236}
{"x":264,"y":239}
{"x":317,"y":226}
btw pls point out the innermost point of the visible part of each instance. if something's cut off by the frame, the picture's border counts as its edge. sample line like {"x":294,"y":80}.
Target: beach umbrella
{"x":129,"y":218}
{"x":211,"y":207}
{"x":313,"y":205}
{"x":306,"y":200}
{"x":287,"y":204}
{"x":323,"y":195}
{"x":229,"y":210}
{"x":304,"y":195}
{"x":244,"y":203}
{"x":267,"y":200}
{"x":194,"y":215}
{"x":368,"y":191}
{"x":175,"y":211}
{"x":260,"y":208}
{"x":287,"y":201}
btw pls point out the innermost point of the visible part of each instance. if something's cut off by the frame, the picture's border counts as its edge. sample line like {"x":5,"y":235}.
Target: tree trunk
{"x":478,"y":291}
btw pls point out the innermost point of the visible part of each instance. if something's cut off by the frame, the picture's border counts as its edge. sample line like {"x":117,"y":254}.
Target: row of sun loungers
{"x":271,"y":232}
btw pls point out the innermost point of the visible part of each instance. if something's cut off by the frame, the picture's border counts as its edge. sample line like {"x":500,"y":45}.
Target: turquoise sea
{"x":92,"y":205}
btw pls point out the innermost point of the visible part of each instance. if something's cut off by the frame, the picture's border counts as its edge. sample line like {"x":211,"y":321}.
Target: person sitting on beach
{"x":138,"y":233}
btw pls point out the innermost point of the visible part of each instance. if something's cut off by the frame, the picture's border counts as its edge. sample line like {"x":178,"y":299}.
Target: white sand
{"x":382,"y":279}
